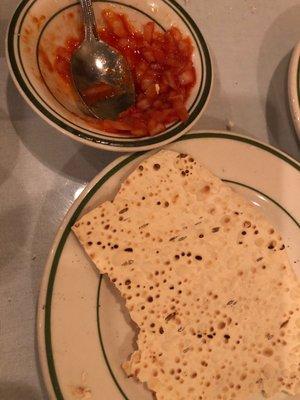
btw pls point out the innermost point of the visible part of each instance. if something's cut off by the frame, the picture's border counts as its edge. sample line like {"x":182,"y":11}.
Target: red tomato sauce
{"x":162,"y":69}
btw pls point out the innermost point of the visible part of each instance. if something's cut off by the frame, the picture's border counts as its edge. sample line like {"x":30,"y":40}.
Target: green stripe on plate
{"x":244,"y":139}
{"x":86,"y":199}
{"x":52,"y":275}
{"x":102,"y":344}
{"x":267,"y":197}
{"x":100,"y":281}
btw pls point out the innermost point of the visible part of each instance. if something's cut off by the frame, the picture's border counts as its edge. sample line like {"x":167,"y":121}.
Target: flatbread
{"x":206,"y":279}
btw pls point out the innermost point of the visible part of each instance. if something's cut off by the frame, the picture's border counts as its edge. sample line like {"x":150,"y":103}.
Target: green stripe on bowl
{"x":86,"y":199}
{"x":107,"y":140}
{"x":45,"y":83}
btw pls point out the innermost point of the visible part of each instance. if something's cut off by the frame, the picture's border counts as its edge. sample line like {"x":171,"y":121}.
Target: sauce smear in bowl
{"x":162,"y":68}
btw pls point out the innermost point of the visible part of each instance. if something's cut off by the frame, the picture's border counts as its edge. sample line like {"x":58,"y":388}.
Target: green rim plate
{"x":245,"y":153}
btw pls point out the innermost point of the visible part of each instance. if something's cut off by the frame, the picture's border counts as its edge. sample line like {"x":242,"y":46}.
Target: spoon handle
{"x":90,"y":29}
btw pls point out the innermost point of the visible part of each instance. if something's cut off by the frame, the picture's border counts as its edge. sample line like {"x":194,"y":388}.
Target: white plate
{"x":294,"y":87}
{"x":84,"y":332}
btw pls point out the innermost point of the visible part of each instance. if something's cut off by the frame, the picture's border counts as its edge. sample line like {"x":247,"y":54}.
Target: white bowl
{"x":39,"y":24}
{"x":294,"y":87}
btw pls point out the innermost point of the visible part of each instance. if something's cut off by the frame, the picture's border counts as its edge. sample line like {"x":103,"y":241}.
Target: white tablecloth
{"x":41,"y":171}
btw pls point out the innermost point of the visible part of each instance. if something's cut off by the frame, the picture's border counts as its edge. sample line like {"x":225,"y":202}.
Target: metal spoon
{"x":100,"y":73}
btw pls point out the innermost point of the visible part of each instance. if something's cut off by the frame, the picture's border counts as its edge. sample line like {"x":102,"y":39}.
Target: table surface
{"x":41,"y":171}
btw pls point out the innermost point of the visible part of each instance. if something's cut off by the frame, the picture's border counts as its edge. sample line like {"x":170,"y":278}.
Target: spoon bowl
{"x":101,"y":75}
